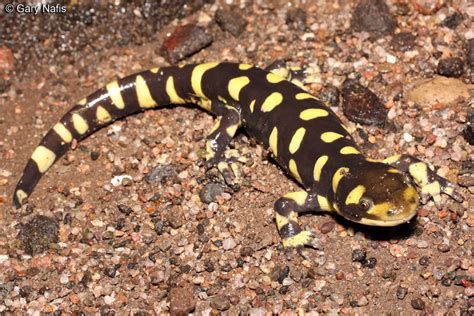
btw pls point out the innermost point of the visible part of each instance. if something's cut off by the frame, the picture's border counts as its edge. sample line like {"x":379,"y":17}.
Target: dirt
{"x":139,"y":246}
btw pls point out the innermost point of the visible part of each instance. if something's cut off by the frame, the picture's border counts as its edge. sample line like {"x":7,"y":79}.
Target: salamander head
{"x":375,"y":194}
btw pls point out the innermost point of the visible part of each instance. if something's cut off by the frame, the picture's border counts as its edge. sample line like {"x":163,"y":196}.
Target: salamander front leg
{"x":430,"y":183}
{"x":218,"y":152}
{"x":286,"y":215}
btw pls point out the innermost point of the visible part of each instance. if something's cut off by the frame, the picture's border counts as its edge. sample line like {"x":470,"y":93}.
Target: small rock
{"x":443,"y":247}
{"x":4,"y":85}
{"x":229,"y":243}
{"x":38,"y":234}
{"x":359,"y":255}
{"x":438,"y":89}
{"x":327,"y":227}
{"x":185,"y":41}
{"x":209,"y":192}
{"x":453,"y":20}
{"x":424,"y":261}
{"x":401,"y":292}
{"x":369,"y":263}
{"x":417,"y":304}
{"x":280,"y":273}
{"x":362,"y":105}
{"x":246,"y":251}
{"x":363,"y":301}
{"x":374,"y":17}
{"x":230,"y":21}
{"x":220,"y":302}
{"x":296,"y":19}
{"x":466,"y":180}
{"x":182,"y":301}
{"x":468,"y":134}
{"x":161,"y":174}
{"x":470,"y":52}
{"x":403,"y":41}
{"x":451,"y":67}
{"x":125,"y":209}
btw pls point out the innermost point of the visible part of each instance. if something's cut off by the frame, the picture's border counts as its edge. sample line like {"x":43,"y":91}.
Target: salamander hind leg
{"x":429,"y":182}
{"x":218,"y":153}
{"x":286,"y":215}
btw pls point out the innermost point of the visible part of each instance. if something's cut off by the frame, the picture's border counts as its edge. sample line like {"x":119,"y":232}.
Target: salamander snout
{"x":378,"y":195}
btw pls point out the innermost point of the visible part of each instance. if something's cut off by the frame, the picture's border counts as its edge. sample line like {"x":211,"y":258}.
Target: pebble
{"x":453,"y":20}
{"x":209,"y":192}
{"x":185,"y":41}
{"x":470,"y":52}
{"x":443,"y":247}
{"x":417,"y":303}
{"x":451,"y":67}
{"x":220,"y":302}
{"x":468,"y":133}
{"x":361,"y":105}
{"x":401,"y":292}
{"x":374,"y":17}
{"x":230,"y":21}
{"x":38,"y":233}
{"x":327,"y":227}
{"x":124,"y":209}
{"x":403,"y":41}
{"x":229,"y":243}
{"x":161,"y":174}
{"x":424,"y":261}
{"x":442,"y":89}
{"x":359,"y":255}
{"x":182,"y":300}
{"x":330,"y":95}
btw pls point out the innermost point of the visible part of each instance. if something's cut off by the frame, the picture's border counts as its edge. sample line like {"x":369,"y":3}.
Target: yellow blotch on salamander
{"x":338,"y":175}
{"x":329,"y":137}
{"x":273,"y":141}
{"x":296,"y":140}
{"x":145,"y":100}
{"x":272,"y":78}
{"x":294,"y":170}
{"x":272,"y":101}
{"x":236,"y":85}
{"x":310,"y":114}
{"x":113,"y":89}
{"x":102,"y":115}
{"x":299,"y":197}
{"x":318,"y":167}
{"x":63,"y":132}
{"x":43,"y":157}
{"x":304,"y":95}
{"x":349,"y":150}
{"x":172,"y":93}
{"x":79,"y":123}
{"x":196,"y":77}
{"x":354,"y":196}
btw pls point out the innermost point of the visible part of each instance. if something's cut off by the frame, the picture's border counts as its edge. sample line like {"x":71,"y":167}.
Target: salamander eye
{"x":365,"y":204}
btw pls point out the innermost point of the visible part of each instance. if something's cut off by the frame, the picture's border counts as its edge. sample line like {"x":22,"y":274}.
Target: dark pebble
{"x":361,"y":105}
{"x":240,"y":262}
{"x":330,"y":95}
{"x":283,"y":290}
{"x":160,"y":227}
{"x":217,"y":243}
{"x":369,"y":263}
{"x":200,"y":229}
{"x":220,"y":302}
{"x":209,"y":266}
{"x":283,"y":274}
{"x":403,"y":41}
{"x":246,"y":251}
{"x":110,"y":271}
{"x":226,"y":267}
{"x":95,"y":154}
{"x":209,"y":192}
{"x":453,"y":20}
{"x":359,"y":255}
{"x":4,"y":85}
{"x":185,"y":269}
{"x":388,"y":274}
{"x":38,"y":234}
{"x":401,"y":292}
{"x":374,"y":17}
{"x":424,"y":261}
{"x":124,"y":209}
{"x":230,"y":21}
{"x":175,"y":219}
{"x":67,"y":220}
{"x":451,"y":67}
{"x":296,"y":19}
{"x":446,"y":280}
{"x":417,"y":304}
{"x":161,"y":174}
{"x":185,"y":41}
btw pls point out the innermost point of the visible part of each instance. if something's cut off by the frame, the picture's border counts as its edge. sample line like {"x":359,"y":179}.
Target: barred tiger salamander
{"x":306,"y":138}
